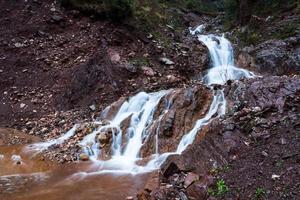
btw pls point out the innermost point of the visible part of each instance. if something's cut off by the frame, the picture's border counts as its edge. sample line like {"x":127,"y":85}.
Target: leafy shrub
{"x":231,"y":8}
{"x":260,"y":193}
{"x":119,"y":9}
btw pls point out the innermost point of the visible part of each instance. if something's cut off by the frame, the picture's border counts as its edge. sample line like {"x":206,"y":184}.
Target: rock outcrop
{"x":275,"y":57}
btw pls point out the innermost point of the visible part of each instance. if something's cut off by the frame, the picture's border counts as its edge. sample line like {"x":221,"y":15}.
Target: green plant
{"x":219,"y":190}
{"x":231,"y":10}
{"x":260,"y":193}
{"x":140,"y":61}
{"x":279,"y":163}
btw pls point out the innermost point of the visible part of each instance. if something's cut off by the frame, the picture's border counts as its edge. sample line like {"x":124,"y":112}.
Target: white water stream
{"x":141,"y":108}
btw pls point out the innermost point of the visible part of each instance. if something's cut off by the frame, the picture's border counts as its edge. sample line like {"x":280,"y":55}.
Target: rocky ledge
{"x":254,"y":147}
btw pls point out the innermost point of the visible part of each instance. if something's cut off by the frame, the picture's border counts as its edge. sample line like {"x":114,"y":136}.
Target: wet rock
{"x":168,"y":124}
{"x":16,"y":159}
{"x":103,"y":138}
{"x":83,"y":157}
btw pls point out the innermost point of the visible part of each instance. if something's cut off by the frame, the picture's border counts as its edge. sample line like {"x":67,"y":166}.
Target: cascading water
{"x":140,"y":110}
{"x":221,"y":55}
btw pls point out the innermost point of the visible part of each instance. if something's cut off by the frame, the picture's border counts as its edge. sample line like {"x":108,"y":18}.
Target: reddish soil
{"x":56,"y":60}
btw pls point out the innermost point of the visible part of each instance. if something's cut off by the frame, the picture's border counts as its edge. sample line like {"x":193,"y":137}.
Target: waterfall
{"x":222,"y":70}
{"x":140,"y":110}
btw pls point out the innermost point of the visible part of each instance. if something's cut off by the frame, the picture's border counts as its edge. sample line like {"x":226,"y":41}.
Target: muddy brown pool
{"x":31,"y":179}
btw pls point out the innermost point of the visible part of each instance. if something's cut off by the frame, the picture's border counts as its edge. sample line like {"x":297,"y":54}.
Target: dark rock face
{"x":275,"y":57}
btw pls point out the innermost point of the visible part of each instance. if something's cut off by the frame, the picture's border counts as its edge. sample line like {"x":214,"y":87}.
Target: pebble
{"x":16,"y":158}
{"x":275,"y":177}
{"x":18,"y":45}
{"x":283,"y":141}
{"x":22,"y":105}
{"x":264,"y":153}
{"x":84,"y":157}
{"x":92,"y":107}
{"x":166,"y":61}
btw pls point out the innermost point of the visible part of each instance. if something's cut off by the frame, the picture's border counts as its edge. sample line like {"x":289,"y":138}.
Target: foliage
{"x":231,"y":9}
{"x":115,"y":10}
{"x":260,"y":193}
{"x":261,"y":8}
{"x":204,"y":6}
{"x":219,"y":190}
{"x":119,"y":9}
{"x":140,"y":61}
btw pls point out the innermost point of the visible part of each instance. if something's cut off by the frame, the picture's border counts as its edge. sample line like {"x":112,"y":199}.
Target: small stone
{"x":92,"y":107}
{"x":22,"y":105}
{"x":18,"y":45}
{"x":150,"y":36}
{"x":166,"y":61}
{"x":129,"y":198}
{"x":16,"y":158}
{"x":1,"y":70}
{"x":84,"y":157}
{"x":283,"y":141}
{"x":44,"y":130}
{"x":275,"y":177}
{"x":265,"y":154}
{"x":172,"y":78}
{"x":56,"y":18}
{"x":256,"y":109}
{"x":130,"y":67}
